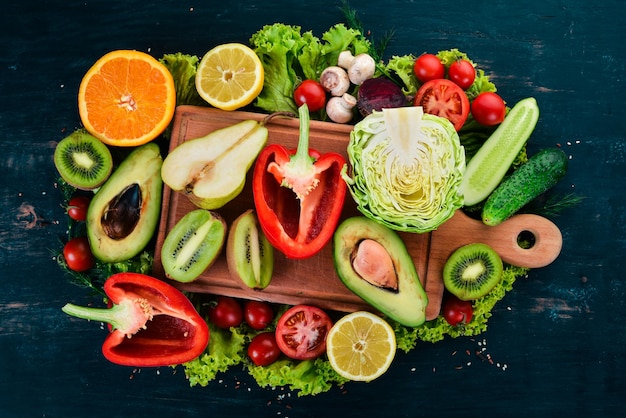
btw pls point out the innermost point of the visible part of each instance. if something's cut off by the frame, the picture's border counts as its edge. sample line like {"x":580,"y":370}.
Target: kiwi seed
{"x":83,"y":161}
{"x":472,"y":271}
{"x":193,"y":244}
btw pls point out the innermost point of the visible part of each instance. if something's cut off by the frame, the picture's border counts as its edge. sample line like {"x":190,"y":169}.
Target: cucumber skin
{"x":541,"y":172}
{"x":486,"y":169}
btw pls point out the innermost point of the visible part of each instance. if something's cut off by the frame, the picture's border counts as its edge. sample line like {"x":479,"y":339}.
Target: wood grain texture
{"x":314,"y":280}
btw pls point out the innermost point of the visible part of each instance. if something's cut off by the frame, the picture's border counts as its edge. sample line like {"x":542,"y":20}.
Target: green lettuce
{"x":307,"y":377}
{"x":226,"y":348}
{"x":290,"y":56}
{"x":183,"y":69}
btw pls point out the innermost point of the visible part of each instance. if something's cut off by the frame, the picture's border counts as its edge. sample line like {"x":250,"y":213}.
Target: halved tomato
{"x":444,"y":98}
{"x":301,"y":332}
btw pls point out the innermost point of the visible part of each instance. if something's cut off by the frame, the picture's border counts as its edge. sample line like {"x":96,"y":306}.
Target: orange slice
{"x":230,"y":76}
{"x":127,"y":98}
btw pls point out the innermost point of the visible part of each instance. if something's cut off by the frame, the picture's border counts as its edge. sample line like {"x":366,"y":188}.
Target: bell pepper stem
{"x":128,"y":317}
{"x":299,"y":173}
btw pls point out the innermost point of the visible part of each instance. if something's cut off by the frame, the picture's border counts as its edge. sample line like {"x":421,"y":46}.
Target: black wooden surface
{"x":557,"y":340}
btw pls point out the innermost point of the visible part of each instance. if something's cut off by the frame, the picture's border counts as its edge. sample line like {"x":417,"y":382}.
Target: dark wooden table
{"x":557,"y":340}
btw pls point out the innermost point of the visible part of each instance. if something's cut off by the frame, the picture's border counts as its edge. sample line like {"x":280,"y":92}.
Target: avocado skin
{"x":143,"y":167}
{"x":407,"y":305}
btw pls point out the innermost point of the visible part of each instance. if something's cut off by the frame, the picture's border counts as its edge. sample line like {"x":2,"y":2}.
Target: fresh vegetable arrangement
{"x":431,"y":136}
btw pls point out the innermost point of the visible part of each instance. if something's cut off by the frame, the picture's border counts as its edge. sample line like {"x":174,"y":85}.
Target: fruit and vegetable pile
{"x":431,"y":136}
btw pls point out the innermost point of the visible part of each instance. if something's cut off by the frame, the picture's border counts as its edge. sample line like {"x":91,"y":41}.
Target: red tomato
{"x":258,"y":315}
{"x":77,"y":254}
{"x":488,"y":109}
{"x":225,"y":312}
{"x":301,"y":332}
{"x":462,"y":73}
{"x":77,"y":207}
{"x":263,"y":349}
{"x":428,"y":67}
{"x":456,"y":311}
{"x":444,"y":98}
{"x":312,"y":93}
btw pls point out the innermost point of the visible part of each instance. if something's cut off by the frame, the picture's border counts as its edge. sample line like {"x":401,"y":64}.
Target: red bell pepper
{"x":298,"y":195}
{"x":152,"y":323}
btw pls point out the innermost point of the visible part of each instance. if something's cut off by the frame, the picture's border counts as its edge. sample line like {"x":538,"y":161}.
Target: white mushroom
{"x":335,"y":80}
{"x":340,"y":109}
{"x":360,"y":68}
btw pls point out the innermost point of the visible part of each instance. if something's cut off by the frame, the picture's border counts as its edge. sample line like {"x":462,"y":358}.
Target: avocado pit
{"x":372,"y":263}
{"x":123,"y":213}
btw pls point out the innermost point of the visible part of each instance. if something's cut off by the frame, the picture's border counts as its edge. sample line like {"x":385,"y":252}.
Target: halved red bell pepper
{"x":298,"y":195}
{"x":152,"y":323}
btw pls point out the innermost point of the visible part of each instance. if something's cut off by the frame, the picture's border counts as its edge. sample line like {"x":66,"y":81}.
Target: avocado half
{"x":407,"y":303}
{"x":124,"y":213}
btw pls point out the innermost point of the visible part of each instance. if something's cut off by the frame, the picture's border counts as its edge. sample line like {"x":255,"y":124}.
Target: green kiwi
{"x":83,"y":161}
{"x":472,"y":271}
{"x":193,"y":244}
{"x":249,"y":254}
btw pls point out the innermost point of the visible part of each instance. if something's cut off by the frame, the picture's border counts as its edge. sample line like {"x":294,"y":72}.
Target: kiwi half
{"x":249,"y":254}
{"x":472,"y":271}
{"x":193,"y":245}
{"x":83,"y":161}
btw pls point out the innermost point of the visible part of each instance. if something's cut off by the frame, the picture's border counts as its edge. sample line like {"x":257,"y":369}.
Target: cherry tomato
{"x":462,"y":73}
{"x":225,"y":312}
{"x":428,"y":67}
{"x":301,"y":332}
{"x":312,"y":93}
{"x":77,"y":254}
{"x":444,"y":98}
{"x":488,"y":109}
{"x":263,"y":349}
{"x":456,"y":311}
{"x":258,"y":315}
{"x":77,"y":207}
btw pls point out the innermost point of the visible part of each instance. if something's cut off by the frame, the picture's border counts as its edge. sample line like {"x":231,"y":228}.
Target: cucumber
{"x":537,"y":175}
{"x":487,"y":168}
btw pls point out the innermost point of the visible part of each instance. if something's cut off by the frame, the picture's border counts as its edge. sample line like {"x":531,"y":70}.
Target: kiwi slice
{"x":249,"y":254}
{"x":193,"y":245}
{"x":83,"y":161}
{"x":472,"y":271}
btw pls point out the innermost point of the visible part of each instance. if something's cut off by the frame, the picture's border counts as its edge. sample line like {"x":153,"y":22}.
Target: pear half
{"x":211,"y":170}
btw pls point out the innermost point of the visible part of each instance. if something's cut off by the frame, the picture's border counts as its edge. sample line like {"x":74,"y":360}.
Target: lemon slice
{"x":230,"y":76}
{"x":361,"y":346}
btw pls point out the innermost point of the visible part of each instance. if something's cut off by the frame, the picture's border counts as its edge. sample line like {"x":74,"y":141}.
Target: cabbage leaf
{"x":406,"y":169}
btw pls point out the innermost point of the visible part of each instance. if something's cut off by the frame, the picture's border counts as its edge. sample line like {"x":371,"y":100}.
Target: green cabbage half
{"x":406,"y":169}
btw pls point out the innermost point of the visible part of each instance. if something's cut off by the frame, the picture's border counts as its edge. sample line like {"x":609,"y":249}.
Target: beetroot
{"x":378,"y":93}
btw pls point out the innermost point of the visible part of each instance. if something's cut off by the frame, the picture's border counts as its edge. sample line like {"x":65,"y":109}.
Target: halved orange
{"x":230,"y":76}
{"x":127,"y":98}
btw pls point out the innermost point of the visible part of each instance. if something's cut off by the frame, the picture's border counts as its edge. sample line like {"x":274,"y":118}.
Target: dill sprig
{"x":377,"y":48}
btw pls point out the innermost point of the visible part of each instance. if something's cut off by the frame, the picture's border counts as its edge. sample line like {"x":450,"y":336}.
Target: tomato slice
{"x":444,"y":98}
{"x":301,"y":332}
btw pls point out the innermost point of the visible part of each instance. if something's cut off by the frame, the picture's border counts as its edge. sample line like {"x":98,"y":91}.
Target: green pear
{"x":211,"y":170}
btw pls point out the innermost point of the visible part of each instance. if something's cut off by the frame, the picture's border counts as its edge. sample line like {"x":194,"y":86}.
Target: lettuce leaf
{"x":289,"y":56}
{"x":307,"y":377}
{"x":183,"y":69}
{"x":226,"y":348}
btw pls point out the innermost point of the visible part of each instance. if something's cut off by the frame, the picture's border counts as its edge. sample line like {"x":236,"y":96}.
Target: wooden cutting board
{"x":314,"y":280}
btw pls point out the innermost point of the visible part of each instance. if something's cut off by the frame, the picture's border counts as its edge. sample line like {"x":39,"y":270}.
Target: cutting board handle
{"x":546,"y":247}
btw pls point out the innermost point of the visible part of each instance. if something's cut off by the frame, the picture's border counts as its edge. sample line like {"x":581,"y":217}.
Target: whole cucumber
{"x":537,"y":175}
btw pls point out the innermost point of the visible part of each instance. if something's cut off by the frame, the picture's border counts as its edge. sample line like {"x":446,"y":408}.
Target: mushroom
{"x":335,"y":80}
{"x":360,"y":68}
{"x":339,"y":109}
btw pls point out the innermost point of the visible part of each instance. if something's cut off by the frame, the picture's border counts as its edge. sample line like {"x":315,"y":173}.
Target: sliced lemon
{"x":230,"y":76}
{"x":361,"y":346}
